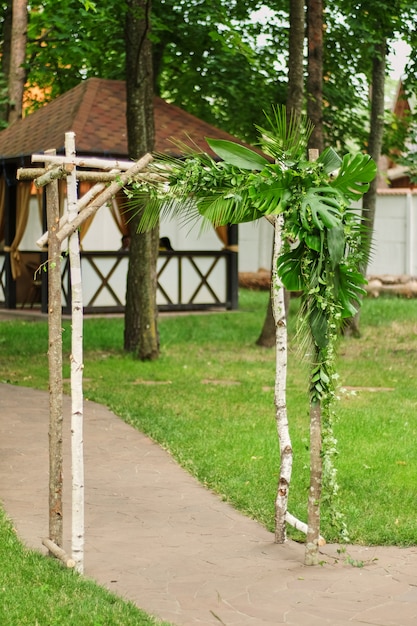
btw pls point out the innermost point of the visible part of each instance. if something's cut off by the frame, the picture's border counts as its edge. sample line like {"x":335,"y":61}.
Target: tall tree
{"x":16,"y":70}
{"x":267,"y":338}
{"x":6,"y":35}
{"x":141,"y":315}
{"x":314,"y":84}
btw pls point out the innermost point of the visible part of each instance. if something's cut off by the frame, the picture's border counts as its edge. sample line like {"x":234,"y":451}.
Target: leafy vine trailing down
{"x":322,"y":253}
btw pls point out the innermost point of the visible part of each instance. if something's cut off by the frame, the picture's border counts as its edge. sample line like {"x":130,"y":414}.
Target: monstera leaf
{"x":355,"y":175}
{"x":320,"y":208}
{"x":349,"y":289}
{"x":238,"y":155}
{"x":289,"y":268}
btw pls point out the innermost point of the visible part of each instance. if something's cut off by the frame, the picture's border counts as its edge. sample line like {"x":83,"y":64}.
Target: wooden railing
{"x":187,"y":281}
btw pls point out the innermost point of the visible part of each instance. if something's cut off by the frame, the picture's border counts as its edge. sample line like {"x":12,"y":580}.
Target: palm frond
{"x":286,"y":136}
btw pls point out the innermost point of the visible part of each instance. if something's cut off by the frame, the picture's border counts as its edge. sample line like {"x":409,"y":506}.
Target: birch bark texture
{"x":280,"y":391}
{"x":58,"y":231}
{"x":77,"y":410}
{"x":55,"y":367}
{"x":311,"y":556}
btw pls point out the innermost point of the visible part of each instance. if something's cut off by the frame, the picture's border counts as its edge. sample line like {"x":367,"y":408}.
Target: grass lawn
{"x":209,"y":400}
{"x":35,"y":590}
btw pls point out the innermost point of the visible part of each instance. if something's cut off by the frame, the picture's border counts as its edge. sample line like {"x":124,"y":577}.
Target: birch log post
{"x":314,"y":495}
{"x":55,"y":366}
{"x":286,"y":455}
{"x":77,"y":452}
{"x":58,"y":552}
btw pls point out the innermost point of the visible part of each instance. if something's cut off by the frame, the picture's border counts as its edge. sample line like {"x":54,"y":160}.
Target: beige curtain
{"x":22,"y":212}
{"x":223,"y":234}
{"x":120,"y":213}
{"x":83,"y":187}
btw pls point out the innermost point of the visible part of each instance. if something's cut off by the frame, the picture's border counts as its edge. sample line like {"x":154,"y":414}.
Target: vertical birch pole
{"x":286,"y":456}
{"x":55,"y":364}
{"x":311,"y":556}
{"x":314,"y":495}
{"x":77,"y":455}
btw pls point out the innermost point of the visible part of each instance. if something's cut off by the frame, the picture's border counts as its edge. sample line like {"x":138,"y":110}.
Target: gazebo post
{"x":233,"y":269}
{"x":10,"y":232}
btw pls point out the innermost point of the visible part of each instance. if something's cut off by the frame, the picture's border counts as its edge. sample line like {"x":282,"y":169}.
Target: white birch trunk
{"x":77,"y":454}
{"x":278,"y":307}
{"x":314,"y":495}
{"x":55,"y":367}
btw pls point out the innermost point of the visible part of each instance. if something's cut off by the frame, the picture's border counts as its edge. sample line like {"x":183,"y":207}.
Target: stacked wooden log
{"x":404,"y":285}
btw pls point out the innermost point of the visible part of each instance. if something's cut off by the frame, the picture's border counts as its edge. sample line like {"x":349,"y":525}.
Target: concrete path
{"x":156,"y":537}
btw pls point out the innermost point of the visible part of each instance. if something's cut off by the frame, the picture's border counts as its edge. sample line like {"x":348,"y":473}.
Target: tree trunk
{"x":296,"y":57}
{"x":141,"y":316}
{"x":315,"y":71}
{"x":376,"y":132}
{"x":5,"y":64}
{"x":314,"y":494}
{"x":375,"y":137}
{"x":286,"y":456}
{"x":294,"y":104}
{"x":267,"y":337}
{"x":17,"y":74}
{"x":55,"y":366}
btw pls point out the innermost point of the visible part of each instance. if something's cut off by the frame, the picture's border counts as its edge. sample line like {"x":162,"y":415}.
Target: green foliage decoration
{"x":322,"y":253}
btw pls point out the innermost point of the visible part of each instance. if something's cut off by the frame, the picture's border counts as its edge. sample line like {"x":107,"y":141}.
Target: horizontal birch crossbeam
{"x":104,"y":164}
{"x":96,"y":197}
{"x":301,"y":526}
{"x":81,"y":204}
{"x":34,"y":173}
{"x":58,"y":552}
{"x":104,"y":197}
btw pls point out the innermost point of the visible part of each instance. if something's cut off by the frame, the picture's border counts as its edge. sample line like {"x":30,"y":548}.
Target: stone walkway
{"x":158,"y":538}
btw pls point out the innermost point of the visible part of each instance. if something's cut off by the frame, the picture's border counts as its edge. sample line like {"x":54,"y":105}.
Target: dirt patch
{"x":370,"y":389}
{"x":213,"y":381}
{"x":139,"y":381}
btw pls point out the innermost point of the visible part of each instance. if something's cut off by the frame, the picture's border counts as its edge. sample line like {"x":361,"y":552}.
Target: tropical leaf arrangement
{"x":322,"y":253}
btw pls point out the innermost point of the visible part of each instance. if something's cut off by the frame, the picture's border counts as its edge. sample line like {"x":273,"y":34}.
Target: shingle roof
{"x":95,"y":111}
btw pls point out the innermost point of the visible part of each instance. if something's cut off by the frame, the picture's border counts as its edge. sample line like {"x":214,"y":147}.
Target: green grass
{"x":35,"y":590}
{"x":209,"y":400}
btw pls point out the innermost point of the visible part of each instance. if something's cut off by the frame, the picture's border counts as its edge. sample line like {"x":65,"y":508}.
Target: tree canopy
{"x":225,"y":62}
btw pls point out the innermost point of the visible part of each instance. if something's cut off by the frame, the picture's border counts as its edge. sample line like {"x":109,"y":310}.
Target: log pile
{"x":404,"y":285}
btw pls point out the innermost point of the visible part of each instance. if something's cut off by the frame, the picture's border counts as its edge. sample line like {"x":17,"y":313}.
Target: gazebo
{"x":95,"y":111}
